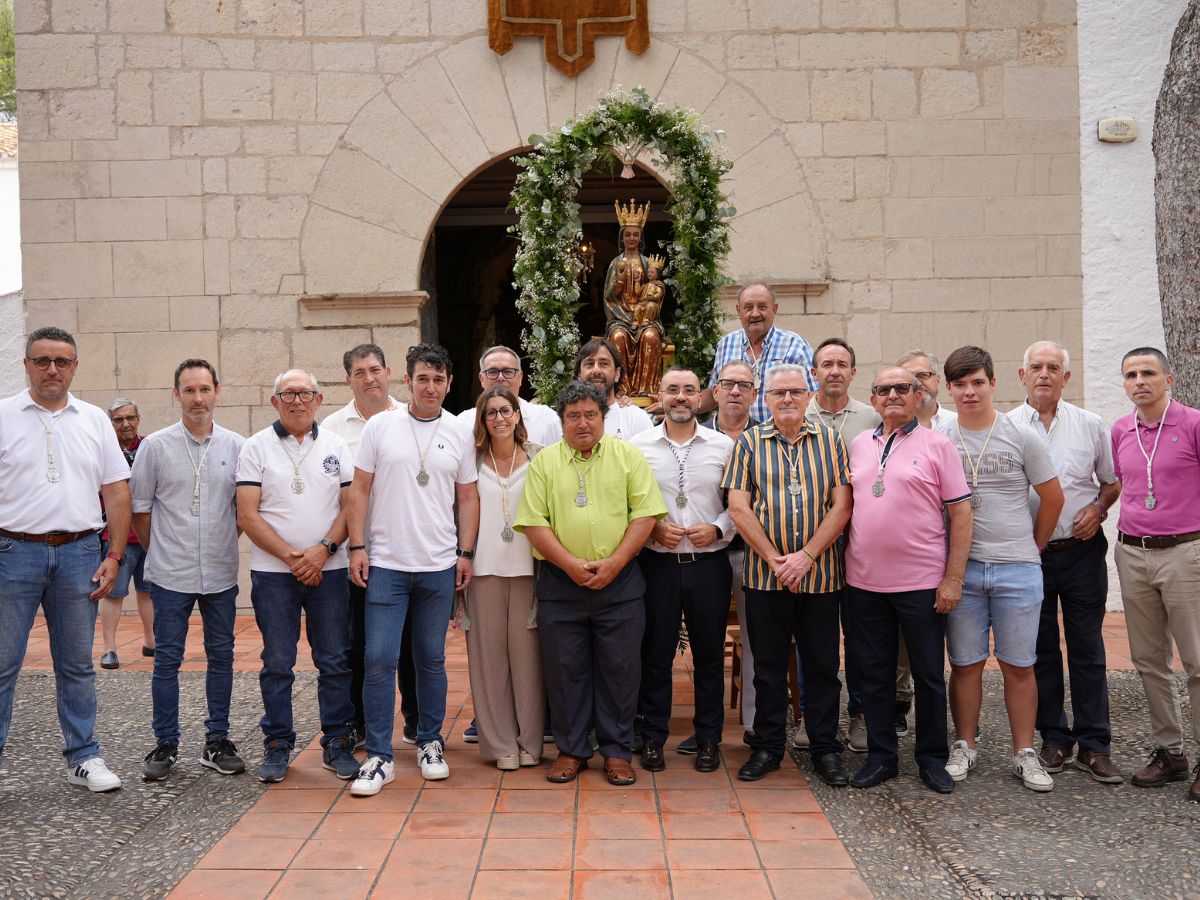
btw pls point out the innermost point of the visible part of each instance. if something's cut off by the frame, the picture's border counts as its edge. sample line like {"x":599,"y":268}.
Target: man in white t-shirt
{"x":501,"y":365}
{"x":292,"y":481}
{"x":414,"y":467}
{"x":368,"y":376}
{"x":599,"y":362}
{"x":58,"y":457}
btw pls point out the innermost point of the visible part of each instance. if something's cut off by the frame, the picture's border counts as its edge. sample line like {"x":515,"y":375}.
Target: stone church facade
{"x":256,"y":181}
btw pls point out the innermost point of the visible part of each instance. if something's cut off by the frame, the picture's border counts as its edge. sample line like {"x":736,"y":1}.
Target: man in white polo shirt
{"x":292,"y":482}
{"x":599,"y":362}
{"x":58,"y":457}
{"x":414,"y":467}
{"x":368,"y":375}
{"x":501,"y":365}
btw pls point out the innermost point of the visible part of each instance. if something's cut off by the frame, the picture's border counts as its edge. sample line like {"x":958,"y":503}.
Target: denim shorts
{"x":1005,"y":598}
{"x":135,"y":564}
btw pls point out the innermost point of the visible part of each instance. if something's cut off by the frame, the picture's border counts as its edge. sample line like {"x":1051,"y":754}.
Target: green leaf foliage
{"x":8,"y":72}
{"x":549,"y":228}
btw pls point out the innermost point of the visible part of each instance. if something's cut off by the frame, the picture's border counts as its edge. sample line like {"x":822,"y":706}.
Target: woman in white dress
{"x":504,"y":657}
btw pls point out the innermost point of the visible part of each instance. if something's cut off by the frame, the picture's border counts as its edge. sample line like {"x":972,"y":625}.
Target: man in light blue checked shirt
{"x":760,"y":345}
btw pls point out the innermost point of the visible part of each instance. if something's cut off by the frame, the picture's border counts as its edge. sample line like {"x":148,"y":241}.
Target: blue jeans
{"x":171,"y":612}
{"x":278,"y":598}
{"x":1005,"y":598}
{"x":59,"y":580}
{"x":390,"y":593}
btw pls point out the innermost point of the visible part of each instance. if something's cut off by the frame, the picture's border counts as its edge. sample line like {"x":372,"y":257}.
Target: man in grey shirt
{"x":1002,"y":590}
{"x":184,"y":513}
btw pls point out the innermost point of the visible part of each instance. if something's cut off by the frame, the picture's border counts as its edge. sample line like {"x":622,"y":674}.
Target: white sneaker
{"x":433,"y":764}
{"x":94,"y":775}
{"x":375,"y":773}
{"x":1030,"y":770}
{"x":961,"y":761}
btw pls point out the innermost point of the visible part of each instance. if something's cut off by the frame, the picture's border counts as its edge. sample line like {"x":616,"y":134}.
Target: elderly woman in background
{"x":502,"y":639}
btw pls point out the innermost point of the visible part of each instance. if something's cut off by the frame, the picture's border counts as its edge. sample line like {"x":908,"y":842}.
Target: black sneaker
{"x":221,"y":755}
{"x":159,"y":761}
{"x":338,"y":758}
{"x":688,"y":746}
{"x":276,"y":756}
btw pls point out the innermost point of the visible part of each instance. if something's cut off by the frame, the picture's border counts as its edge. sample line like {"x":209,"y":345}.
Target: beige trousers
{"x":505,"y":663}
{"x":1161,"y":590}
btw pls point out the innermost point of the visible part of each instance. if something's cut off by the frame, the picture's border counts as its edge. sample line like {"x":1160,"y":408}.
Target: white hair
{"x":311,"y":377}
{"x":1041,"y":345}
{"x":500,"y":348}
{"x":785,"y":369}
{"x":118,"y":403}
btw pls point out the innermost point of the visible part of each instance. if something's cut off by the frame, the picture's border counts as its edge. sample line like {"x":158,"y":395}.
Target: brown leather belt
{"x":1061,"y":544}
{"x":50,"y":539}
{"x":1158,"y":542}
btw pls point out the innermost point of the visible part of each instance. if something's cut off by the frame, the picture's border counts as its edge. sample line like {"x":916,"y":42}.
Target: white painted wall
{"x":12,"y":312}
{"x":1123,"y":50}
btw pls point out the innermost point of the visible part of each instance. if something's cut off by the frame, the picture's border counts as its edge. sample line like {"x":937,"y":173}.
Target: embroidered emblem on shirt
{"x":333,"y":465}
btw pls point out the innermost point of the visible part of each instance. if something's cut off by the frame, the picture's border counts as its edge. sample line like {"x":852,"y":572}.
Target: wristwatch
{"x":330,"y":546}
{"x":118,"y":558}
{"x":465,"y":554}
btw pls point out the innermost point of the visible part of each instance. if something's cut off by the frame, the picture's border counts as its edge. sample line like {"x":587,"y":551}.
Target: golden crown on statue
{"x":656,"y":262}
{"x":631,"y":215}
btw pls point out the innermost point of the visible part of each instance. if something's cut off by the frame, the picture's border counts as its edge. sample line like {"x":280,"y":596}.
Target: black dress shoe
{"x":937,"y":779}
{"x":873,"y":773}
{"x":758,"y":765}
{"x":708,"y":759}
{"x":830,"y":770}
{"x":652,"y":757}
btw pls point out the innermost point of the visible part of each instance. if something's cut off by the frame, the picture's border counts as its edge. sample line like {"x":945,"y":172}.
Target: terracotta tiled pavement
{"x":486,"y":834}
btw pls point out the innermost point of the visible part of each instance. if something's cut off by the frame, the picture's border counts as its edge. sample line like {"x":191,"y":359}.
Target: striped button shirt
{"x":778,"y":346}
{"x":761,"y":464}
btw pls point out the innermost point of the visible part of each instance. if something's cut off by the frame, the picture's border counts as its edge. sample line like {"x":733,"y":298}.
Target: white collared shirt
{"x":1081,"y":451}
{"x":542,"y":426}
{"x":348,"y":423}
{"x":706,"y":458}
{"x":625,"y":422}
{"x":848,"y":423}
{"x":944,"y":416}
{"x":86,"y":453}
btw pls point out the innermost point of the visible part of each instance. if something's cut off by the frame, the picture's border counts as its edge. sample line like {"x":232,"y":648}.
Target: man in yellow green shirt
{"x":589,"y":504}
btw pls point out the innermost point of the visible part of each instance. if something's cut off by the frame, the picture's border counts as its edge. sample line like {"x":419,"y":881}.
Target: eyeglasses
{"x":43,"y":362}
{"x":924,"y":375}
{"x":121,"y":420}
{"x":882,"y":390}
{"x":728,"y":384}
{"x":688,"y":391}
{"x":780,"y":393}
{"x":293,"y":396}
{"x":496,"y":374}
{"x":504,"y":412}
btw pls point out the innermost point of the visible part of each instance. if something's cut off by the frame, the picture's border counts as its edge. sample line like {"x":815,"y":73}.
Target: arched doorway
{"x":467,"y":269}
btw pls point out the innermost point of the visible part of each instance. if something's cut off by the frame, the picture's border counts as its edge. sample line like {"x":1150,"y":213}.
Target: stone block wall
{"x":191,"y":168}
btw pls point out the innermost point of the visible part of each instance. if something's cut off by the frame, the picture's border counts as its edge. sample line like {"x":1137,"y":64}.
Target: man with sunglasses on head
{"x":501,"y":365}
{"x":58,"y":457}
{"x":904,"y":569}
{"x":293,"y":481}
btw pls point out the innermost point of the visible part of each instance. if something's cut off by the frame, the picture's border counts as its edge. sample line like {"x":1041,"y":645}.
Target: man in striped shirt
{"x":789,"y":496}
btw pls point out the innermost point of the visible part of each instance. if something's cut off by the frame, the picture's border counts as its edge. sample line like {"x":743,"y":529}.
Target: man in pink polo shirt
{"x":901,"y":572}
{"x":1156,"y":454}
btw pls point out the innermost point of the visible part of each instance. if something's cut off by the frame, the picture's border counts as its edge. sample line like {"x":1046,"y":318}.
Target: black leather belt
{"x":1158,"y":542}
{"x":50,"y":538}
{"x":1062,"y":544}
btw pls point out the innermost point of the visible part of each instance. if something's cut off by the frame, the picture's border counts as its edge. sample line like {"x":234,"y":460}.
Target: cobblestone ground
{"x":990,"y":838}
{"x":994,"y":838}
{"x":62,"y":841}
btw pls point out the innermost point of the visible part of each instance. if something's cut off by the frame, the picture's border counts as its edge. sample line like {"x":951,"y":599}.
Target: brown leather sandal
{"x":619,"y":771}
{"x":566,"y":768}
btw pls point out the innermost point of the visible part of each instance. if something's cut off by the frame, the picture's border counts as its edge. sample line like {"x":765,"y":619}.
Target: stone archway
{"x":450,"y":114}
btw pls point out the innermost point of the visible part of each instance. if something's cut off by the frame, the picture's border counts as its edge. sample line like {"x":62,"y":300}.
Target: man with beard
{"x":686,"y":570}
{"x":760,"y":345}
{"x":599,"y":363}
{"x":185,"y":514}
{"x":589,"y":504}
{"x":924,"y":367}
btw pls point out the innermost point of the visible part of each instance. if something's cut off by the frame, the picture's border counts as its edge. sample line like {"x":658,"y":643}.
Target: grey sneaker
{"x":962,"y":760}
{"x":159,"y":761}
{"x":339,"y":758}
{"x":858,"y":734}
{"x":276,"y":756}
{"x":221,"y":755}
